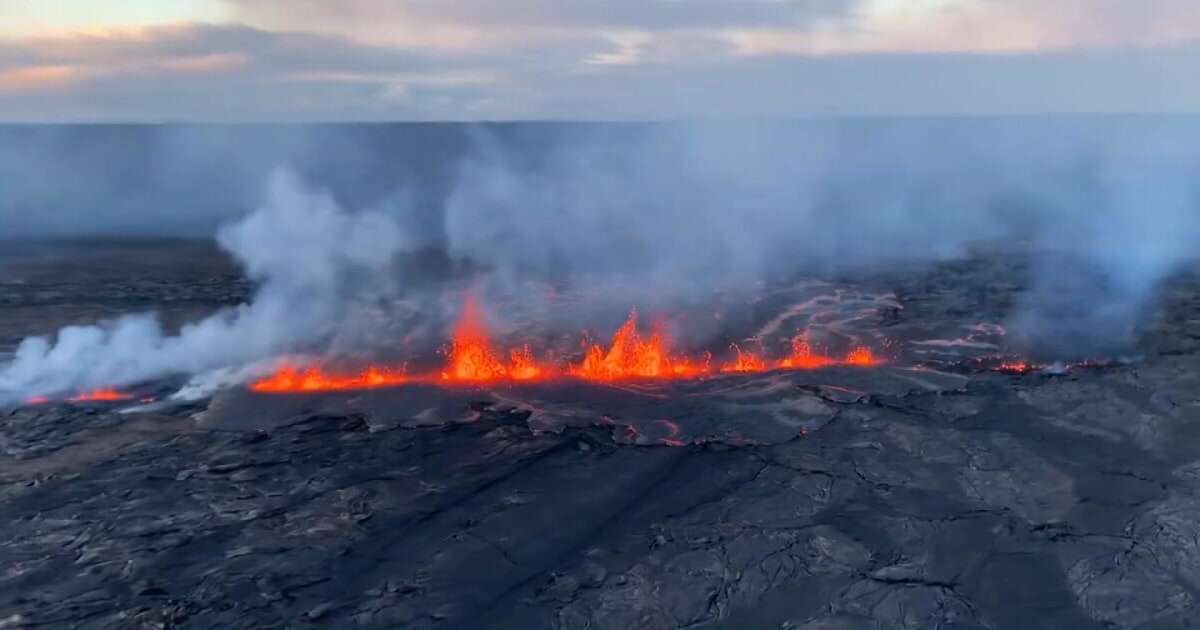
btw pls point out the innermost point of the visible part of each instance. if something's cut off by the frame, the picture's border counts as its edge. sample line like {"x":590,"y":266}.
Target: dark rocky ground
{"x":891,"y":497}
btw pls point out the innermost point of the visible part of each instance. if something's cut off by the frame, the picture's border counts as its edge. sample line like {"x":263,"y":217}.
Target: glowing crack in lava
{"x":471,"y":357}
{"x":630,"y":355}
{"x":289,"y":379}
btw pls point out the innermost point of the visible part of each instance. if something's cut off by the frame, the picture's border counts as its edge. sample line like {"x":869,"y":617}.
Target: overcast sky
{"x":292,"y":60}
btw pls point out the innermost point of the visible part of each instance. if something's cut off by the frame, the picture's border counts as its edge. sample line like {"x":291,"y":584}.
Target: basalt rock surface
{"x":887,"y":497}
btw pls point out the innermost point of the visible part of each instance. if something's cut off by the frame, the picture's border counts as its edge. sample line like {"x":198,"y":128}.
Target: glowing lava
{"x":101,"y":395}
{"x":745,"y":362}
{"x":803,"y":357}
{"x":522,"y":365}
{"x":862,"y":356}
{"x":95,"y":395}
{"x":471,"y":357}
{"x":1017,"y":367}
{"x":630,"y":355}
{"x":289,"y":379}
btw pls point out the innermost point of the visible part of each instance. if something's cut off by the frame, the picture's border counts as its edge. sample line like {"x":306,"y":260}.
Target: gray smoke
{"x":672,"y":215}
{"x":658,"y":216}
{"x":1102,"y":262}
{"x":303,"y":249}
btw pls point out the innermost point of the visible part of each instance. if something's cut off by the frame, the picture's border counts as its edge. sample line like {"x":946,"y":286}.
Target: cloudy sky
{"x":274,"y":60}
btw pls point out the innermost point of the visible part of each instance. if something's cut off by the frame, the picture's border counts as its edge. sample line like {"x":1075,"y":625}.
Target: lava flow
{"x":95,"y":395}
{"x":289,"y":379}
{"x":101,"y":395}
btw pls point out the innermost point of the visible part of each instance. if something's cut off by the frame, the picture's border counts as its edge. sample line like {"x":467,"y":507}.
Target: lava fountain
{"x":632,"y":355}
{"x":471,"y":358}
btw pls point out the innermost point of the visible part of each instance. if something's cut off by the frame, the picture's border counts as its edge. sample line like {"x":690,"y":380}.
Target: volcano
{"x":860,"y":452}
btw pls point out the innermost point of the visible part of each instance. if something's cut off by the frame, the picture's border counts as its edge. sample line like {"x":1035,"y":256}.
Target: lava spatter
{"x":633,"y":355}
{"x":746,"y":361}
{"x":471,"y":357}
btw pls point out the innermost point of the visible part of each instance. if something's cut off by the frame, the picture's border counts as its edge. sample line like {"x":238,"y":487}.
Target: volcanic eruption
{"x":633,"y":353}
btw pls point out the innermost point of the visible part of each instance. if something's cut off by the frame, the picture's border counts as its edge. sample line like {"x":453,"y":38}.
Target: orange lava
{"x":472,"y":359}
{"x":745,"y":362}
{"x":289,"y":379}
{"x":101,"y":395}
{"x":630,"y":355}
{"x":862,"y":356}
{"x":803,"y":357}
{"x":522,"y":365}
{"x":1016,"y":367}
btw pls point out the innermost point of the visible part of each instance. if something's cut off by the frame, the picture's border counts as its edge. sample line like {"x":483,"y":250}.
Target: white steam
{"x":302,"y":248}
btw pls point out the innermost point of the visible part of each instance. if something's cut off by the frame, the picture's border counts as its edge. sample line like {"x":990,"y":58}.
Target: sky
{"x":326,"y":60}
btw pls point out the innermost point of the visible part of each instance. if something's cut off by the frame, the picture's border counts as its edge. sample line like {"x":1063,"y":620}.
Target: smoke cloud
{"x":1103,"y":257}
{"x":659,"y":216}
{"x":672,"y":215}
{"x":313,"y":261}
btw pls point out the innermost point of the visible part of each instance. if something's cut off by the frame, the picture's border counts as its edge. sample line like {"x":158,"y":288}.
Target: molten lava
{"x":745,"y":362}
{"x":861,"y":356}
{"x":1016,"y":367}
{"x":803,"y":357}
{"x":289,"y":379}
{"x":522,"y":365}
{"x":101,"y":395}
{"x":630,"y":355}
{"x":95,"y":395}
{"x":471,"y":357}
